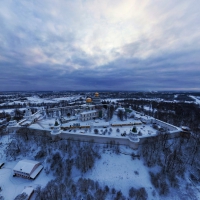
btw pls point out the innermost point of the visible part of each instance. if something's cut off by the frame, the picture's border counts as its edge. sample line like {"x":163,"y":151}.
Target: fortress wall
{"x":99,"y":139}
{"x":172,"y":135}
{"x":165,"y":125}
{"x":95,"y":138}
{"x":78,"y":136}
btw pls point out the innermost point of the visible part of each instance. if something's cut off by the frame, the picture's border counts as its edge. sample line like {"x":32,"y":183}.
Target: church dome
{"x":96,"y":94}
{"x":88,"y":100}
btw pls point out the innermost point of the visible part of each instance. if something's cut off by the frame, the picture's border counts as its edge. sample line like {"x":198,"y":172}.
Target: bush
{"x":96,"y":131}
{"x":113,"y":191}
{"x":141,"y":194}
{"x":119,"y":196}
{"x":159,"y":182}
{"x":21,"y":196}
{"x":56,"y":159}
{"x":173,"y":180}
{"x":134,"y":130}
{"x":154,"y":179}
{"x":40,"y":154}
{"x":56,"y":123}
{"x":132,"y":192}
{"x":164,"y":188}
{"x":85,"y":158}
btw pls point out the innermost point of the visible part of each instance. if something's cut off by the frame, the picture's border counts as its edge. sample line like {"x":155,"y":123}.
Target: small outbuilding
{"x":27,"y":169}
{"x":185,"y":128}
{"x":1,"y":165}
{"x":28,"y":191}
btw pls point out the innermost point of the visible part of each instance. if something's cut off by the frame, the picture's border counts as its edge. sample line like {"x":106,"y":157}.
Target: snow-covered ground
{"x":36,"y":99}
{"x":11,"y":110}
{"x":121,"y":172}
{"x":12,"y":186}
{"x":145,"y":129}
{"x":197,"y":99}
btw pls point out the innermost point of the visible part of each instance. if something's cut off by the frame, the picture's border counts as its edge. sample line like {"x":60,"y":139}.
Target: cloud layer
{"x":108,"y":44}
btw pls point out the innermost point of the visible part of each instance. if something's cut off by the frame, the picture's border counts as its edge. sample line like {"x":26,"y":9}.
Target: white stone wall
{"x":165,"y":125}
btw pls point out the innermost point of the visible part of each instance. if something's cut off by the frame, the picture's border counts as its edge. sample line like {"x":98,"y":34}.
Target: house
{"x":28,"y":191}
{"x":27,"y":169}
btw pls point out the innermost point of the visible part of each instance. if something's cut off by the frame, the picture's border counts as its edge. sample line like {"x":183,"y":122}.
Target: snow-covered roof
{"x":28,"y":190}
{"x":146,"y":117}
{"x":90,"y":111}
{"x":185,"y":128}
{"x":25,"y":166}
{"x":36,"y":171}
{"x":122,"y":123}
{"x":103,"y":124}
{"x":2,"y":120}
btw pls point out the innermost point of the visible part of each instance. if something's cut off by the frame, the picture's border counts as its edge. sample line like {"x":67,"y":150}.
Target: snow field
{"x":120,"y":172}
{"x":12,"y":186}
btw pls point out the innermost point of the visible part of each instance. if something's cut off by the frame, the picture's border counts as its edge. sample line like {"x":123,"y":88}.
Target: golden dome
{"x":88,"y":100}
{"x":96,"y":94}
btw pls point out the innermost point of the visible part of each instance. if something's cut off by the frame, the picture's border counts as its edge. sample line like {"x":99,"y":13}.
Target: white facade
{"x":28,"y":113}
{"x":87,"y":115}
{"x":146,"y":119}
{"x":88,"y":112}
{"x":27,"y":168}
{"x":12,"y":123}
{"x":56,"y":130}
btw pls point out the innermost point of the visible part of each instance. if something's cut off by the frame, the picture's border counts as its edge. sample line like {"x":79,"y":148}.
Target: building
{"x":88,"y":101}
{"x":28,"y":191}
{"x":87,"y":111}
{"x":96,"y":99}
{"x":12,"y":122}
{"x":28,"y":113}
{"x":146,"y":119}
{"x":3,"y":121}
{"x":27,"y":169}
{"x":87,"y":115}
{"x":56,"y":129}
{"x":120,"y":109}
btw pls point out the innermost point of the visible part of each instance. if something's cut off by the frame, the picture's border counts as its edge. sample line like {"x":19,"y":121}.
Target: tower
{"x":28,"y":112}
{"x":96,"y":99}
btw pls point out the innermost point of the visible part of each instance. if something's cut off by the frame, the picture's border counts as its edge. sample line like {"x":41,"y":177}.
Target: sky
{"x":99,"y":45}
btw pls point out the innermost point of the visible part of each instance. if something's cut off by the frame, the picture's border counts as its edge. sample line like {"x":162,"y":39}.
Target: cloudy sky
{"x":99,"y":44}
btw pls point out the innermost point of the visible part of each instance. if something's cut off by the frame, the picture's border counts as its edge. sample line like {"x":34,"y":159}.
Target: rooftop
{"x":25,"y":166}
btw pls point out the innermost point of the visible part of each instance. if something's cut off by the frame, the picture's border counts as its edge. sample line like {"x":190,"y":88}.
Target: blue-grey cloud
{"x":126,"y":45}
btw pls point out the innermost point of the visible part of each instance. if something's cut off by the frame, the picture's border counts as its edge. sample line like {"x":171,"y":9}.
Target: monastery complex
{"x":89,"y":122}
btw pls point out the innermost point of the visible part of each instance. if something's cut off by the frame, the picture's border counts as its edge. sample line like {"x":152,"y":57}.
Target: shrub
{"x":96,"y":131}
{"x":141,"y":194}
{"x":134,"y":130}
{"x":132,"y":192}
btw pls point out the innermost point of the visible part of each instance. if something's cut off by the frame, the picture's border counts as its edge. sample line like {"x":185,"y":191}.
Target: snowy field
{"x":121,"y":172}
{"x":12,"y":186}
{"x":11,"y":110}
{"x":117,"y":171}
{"x":37,"y":100}
{"x":197,"y":99}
